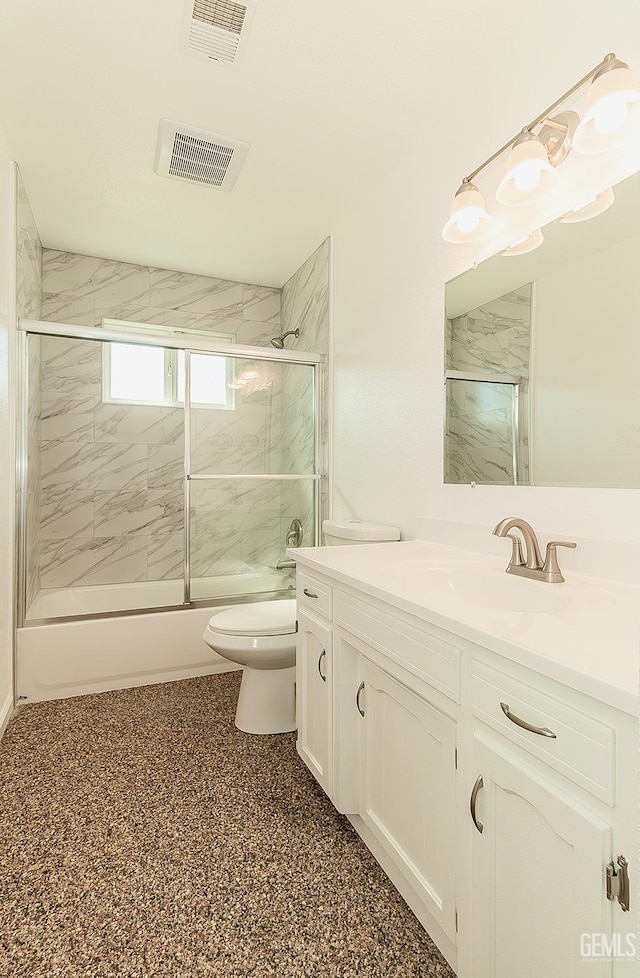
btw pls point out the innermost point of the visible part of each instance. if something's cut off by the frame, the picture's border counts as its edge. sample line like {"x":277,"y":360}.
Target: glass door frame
{"x":517,"y":417}
{"x":190,"y":476}
{"x":190,"y":344}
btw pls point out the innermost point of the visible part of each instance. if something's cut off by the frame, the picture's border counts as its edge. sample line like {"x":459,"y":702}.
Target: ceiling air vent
{"x":218,"y":29}
{"x":198,"y":156}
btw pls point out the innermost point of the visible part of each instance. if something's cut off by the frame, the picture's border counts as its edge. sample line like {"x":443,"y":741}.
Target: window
{"x":152,"y":375}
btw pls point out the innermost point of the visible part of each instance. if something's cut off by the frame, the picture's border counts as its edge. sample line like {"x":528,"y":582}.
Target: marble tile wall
{"x":82,"y":290}
{"x":306,"y":305}
{"x":29,"y":258}
{"x":111,"y":475}
{"x":28,"y":294}
{"x":495,"y":339}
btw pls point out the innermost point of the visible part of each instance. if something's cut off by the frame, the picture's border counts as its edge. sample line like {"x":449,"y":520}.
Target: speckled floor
{"x":143,"y":835}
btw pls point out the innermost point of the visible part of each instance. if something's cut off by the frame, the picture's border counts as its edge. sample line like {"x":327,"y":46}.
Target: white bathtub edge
{"x":80,"y":657}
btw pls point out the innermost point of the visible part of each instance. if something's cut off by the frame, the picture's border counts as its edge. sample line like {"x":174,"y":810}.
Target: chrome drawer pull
{"x":472,"y":803}
{"x":309,"y":594}
{"x":322,"y":655}
{"x":360,"y":688}
{"x":543,"y":731}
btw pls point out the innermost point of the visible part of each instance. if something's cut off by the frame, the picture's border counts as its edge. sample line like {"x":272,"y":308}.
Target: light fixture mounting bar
{"x":543,"y":115}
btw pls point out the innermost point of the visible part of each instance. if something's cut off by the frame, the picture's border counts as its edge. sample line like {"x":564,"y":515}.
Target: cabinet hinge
{"x":456,"y":921}
{"x":456,"y":758}
{"x":618,"y":882}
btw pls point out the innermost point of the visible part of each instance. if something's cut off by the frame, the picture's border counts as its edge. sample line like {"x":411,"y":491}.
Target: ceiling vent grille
{"x":218,"y":29}
{"x":198,"y":156}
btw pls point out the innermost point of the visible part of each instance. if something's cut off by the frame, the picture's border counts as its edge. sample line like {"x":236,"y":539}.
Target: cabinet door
{"x":407,"y":787}
{"x":313,"y":697}
{"x":537,"y":874}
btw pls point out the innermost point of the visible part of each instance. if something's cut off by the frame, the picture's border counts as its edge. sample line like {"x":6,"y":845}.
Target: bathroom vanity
{"x":480,"y":732}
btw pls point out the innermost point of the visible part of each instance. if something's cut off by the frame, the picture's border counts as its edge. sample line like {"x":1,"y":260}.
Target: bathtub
{"x":57,"y":659}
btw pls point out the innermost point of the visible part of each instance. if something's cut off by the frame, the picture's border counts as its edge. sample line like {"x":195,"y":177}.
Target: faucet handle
{"x":551,"y":567}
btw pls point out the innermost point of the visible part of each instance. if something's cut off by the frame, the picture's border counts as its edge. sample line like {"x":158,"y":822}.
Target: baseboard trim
{"x":5,"y":715}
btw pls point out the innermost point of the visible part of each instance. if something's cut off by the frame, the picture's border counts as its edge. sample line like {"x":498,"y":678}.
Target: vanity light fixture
{"x":612,"y":110}
{"x":589,"y":208}
{"x":529,"y":175}
{"x":524,"y":245}
{"x":468,"y":220}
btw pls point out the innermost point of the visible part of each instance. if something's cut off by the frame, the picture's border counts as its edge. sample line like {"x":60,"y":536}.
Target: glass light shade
{"x":525,"y":245}
{"x":468,"y":220}
{"x":590,"y":208}
{"x":528,"y":176}
{"x":612,"y":112}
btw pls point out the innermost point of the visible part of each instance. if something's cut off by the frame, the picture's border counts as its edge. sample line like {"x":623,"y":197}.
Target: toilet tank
{"x":349,"y":532}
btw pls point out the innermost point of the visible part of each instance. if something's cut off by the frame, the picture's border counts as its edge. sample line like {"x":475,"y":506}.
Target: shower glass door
{"x":103,"y":511}
{"x":155,"y":475}
{"x":250,"y":458}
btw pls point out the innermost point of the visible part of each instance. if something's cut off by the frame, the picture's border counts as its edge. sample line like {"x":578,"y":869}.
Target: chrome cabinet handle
{"x":542,"y":731}
{"x":472,"y":803}
{"x":309,"y":594}
{"x":360,"y":688}
{"x":322,"y":655}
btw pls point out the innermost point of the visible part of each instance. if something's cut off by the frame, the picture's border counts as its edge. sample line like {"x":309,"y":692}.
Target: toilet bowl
{"x":261,"y":638}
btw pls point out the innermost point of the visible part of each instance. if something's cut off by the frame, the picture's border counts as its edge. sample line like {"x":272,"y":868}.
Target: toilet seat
{"x":258,"y":619}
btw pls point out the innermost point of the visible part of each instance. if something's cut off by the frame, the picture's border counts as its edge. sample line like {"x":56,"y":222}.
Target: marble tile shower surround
{"x":28,"y":296}
{"x":109,"y":476}
{"x":306,"y":305}
{"x":111,"y":482}
{"x":494,"y":338}
{"x":28,"y":257}
{"x":82,"y":290}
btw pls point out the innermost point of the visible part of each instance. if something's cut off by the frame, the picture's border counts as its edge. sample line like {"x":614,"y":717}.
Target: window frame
{"x":171,"y":359}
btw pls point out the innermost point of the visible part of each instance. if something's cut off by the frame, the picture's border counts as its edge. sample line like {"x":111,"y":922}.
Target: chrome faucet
{"x":295,"y":533}
{"x":530,"y":564}
{"x":294,"y":537}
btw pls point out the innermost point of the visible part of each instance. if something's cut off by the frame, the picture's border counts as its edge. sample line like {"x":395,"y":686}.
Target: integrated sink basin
{"x":494,"y":590}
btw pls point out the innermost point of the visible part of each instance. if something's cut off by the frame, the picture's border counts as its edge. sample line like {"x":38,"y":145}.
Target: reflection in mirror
{"x":543,"y":359}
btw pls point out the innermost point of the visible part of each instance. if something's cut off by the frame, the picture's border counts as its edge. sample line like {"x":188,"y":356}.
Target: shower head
{"x":278,"y":341}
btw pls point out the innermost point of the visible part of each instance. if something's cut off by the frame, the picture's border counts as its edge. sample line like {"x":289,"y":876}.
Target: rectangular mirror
{"x":543,"y":358}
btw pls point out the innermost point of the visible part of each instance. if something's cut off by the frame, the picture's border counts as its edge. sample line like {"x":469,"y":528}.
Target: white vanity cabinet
{"x":392,"y":769}
{"x":494,"y":797}
{"x":407,"y":787}
{"x":553,"y":784}
{"x":313,"y":698}
{"x":537,"y":873}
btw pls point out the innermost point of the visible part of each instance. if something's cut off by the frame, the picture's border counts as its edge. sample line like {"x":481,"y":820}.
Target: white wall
{"x":7,"y":324}
{"x":586,"y":357}
{"x":391,"y":265}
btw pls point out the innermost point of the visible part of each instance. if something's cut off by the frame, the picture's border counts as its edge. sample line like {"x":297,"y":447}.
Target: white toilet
{"x":261,"y":637}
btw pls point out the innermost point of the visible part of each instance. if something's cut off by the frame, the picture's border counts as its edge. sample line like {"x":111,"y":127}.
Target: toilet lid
{"x":262,"y":618}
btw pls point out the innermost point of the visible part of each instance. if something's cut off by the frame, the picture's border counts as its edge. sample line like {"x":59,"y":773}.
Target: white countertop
{"x":591,"y":642}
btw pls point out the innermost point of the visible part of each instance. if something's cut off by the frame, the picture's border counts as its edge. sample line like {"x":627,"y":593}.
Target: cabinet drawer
{"x":583,"y":749}
{"x":430,"y":654}
{"x":313,"y":595}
